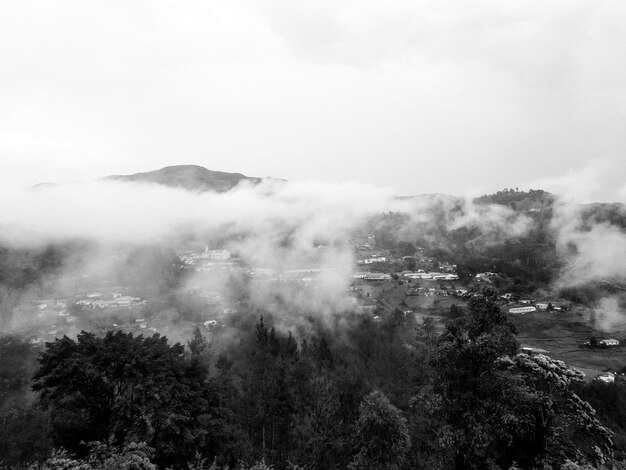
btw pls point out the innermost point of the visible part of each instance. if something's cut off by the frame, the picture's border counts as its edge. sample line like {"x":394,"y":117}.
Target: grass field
{"x":562,"y":334}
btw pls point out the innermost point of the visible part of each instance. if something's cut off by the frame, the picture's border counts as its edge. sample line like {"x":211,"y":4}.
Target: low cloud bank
{"x":278,"y":227}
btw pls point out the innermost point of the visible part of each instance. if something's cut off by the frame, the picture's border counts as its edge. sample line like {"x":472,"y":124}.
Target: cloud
{"x":275,"y":226}
{"x":435,"y":96}
{"x":600,"y":180}
{"x":592,"y":252}
{"x":609,"y":316}
{"x":125,"y":212}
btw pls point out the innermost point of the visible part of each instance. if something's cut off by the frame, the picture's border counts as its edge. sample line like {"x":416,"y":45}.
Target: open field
{"x":560,"y":333}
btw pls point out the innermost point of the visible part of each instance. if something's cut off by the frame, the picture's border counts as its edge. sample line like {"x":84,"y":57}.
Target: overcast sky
{"x":418,"y":96}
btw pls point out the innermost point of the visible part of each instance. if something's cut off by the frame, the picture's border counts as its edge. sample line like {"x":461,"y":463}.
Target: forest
{"x":339,"y":391}
{"x":357,"y":394}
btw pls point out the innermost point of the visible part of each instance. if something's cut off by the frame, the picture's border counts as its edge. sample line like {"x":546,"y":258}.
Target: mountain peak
{"x":190,"y":177}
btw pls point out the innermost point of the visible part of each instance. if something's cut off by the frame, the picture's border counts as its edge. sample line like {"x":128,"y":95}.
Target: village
{"x":382,"y":282}
{"x":547,"y":325}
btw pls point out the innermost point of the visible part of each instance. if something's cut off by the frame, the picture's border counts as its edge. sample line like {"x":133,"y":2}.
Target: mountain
{"x":191,"y":177}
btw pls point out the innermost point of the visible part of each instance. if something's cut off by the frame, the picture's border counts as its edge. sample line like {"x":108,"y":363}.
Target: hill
{"x":191,"y":177}
{"x":533,"y":200}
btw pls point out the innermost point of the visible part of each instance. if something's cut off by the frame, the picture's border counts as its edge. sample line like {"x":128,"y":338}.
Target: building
{"x":547,"y":306}
{"x":360,"y":275}
{"x":447,"y":267}
{"x":531,"y":351}
{"x":606,"y":377}
{"x":378,"y":277}
{"x":379,"y":259}
{"x":197,"y":259}
{"x":215,"y":254}
{"x":522,"y":309}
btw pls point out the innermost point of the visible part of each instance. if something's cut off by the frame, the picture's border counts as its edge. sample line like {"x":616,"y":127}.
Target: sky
{"x":457,"y":97}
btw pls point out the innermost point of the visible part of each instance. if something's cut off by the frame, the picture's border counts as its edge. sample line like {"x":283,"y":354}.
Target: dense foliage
{"x":379,"y":395}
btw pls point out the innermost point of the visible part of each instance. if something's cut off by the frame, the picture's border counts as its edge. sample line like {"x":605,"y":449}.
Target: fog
{"x":274,"y":227}
{"x":593,"y":252}
{"x":608,"y":315}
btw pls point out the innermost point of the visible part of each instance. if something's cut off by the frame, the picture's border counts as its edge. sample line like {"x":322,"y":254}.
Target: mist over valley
{"x":344,"y":274}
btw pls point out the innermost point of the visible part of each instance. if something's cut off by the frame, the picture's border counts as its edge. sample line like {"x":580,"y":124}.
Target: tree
{"x":121,"y":388}
{"x":564,"y":425}
{"x":406,"y":248}
{"x":467,"y":383}
{"x":496,"y":406}
{"x":382,"y":436}
{"x":409,"y":263}
{"x":134,"y":456}
{"x":199,"y":347}
{"x":455,"y":311}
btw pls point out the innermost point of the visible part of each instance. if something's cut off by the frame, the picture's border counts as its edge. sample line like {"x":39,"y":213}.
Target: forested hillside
{"x":388,"y":342}
{"x":360,"y":395}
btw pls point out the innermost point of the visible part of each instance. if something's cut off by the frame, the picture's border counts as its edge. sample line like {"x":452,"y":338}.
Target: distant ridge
{"x":190,"y":177}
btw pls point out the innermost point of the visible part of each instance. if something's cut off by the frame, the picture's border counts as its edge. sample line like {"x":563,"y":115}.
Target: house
{"x":125,"y":300}
{"x":606,"y":377}
{"x":447,"y":267}
{"x":608,"y":342}
{"x":413,"y":291}
{"x":547,"y":306}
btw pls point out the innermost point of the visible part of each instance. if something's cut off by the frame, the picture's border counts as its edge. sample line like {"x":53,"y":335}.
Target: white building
{"x":532,"y":351}
{"x":378,"y":277}
{"x":546,"y":305}
{"x":359,"y":275}
{"x":412,"y":275}
{"x":606,"y":377}
{"x":522,"y":309}
{"x":380,"y":259}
